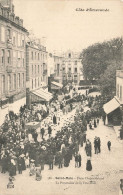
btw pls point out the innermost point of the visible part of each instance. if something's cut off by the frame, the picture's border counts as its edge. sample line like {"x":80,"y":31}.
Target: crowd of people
{"x":17,"y":153}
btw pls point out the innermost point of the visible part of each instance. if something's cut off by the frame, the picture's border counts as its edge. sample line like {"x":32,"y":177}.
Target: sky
{"x":64,"y":28}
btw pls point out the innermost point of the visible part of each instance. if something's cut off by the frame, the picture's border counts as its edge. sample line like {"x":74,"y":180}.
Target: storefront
{"x":113,"y":112}
{"x":39,"y":96}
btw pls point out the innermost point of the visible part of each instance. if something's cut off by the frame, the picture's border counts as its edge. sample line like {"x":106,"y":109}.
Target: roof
{"x":57,"y":84}
{"x":111,"y":106}
{"x":44,"y":95}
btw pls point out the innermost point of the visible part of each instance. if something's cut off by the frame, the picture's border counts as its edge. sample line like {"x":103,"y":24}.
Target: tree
{"x":107,"y":80}
{"x":96,"y":58}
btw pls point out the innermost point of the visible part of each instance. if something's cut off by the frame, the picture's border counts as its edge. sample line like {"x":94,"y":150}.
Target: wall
{"x":119,"y":83}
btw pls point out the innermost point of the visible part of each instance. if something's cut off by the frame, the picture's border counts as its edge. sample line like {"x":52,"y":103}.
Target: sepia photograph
{"x":61,"y":97}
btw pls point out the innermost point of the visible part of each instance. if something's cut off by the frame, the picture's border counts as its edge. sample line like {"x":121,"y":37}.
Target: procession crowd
{"x":17,"y":152}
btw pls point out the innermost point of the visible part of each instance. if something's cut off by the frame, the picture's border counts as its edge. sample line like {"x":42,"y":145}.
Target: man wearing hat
{"x":49,"y":131}
{"x":42,"y":132}
{"x":4,"y":164}
{"x":50,"y":160}
{"x":60,"y":159}
{"x":20,"y":165}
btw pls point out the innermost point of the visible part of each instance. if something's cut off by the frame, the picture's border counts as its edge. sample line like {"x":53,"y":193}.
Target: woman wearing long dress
{"x":88,"y":165}
{"x":32,"y":168}
{"x":54,"y":120}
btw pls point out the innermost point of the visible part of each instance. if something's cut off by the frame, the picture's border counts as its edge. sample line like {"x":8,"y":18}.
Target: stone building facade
{"x":58,"y":61}
{"x":68,"y":68}
{"x":12,"y":60}
{"x":36,"y":67}
{"x":71,"y":68}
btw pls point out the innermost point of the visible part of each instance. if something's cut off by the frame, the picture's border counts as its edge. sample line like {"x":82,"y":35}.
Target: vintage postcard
{"x":61,"y":97}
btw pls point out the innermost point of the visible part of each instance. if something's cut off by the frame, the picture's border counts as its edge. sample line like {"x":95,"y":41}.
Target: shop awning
{"x":59,"y":85}
{"x":111,"y":106}
{"x":42,"y":95}
{"x":45,"y":92}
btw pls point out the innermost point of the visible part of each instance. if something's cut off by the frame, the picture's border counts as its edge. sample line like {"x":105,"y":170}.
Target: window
{"x":35,"y":83}
{"x":32,"y":83}
{"x":23,"y":42}
{"x":23,"y":59}
{"x":8,"y":57}
{"x":75,"y":78}
{"x":14,"y":38}
{"x":2,"y":33}
{"x":38,"y":68}
{"x":19,"y":40}
{"x":14,"y":58}
{"x":8,"y":34}
{"x":41,"y":69}
{"x":75,"y":70}
{"x":3,"y":56}
{"x":23,"y":80}
{"x":19,"y":58}
{"x":75,"y":62}
{"x":32,"y":55}
{"x":3,"y":84}
{"x":63,"y":69}
{"x":69,"y":55}
{"x":9,"y":82}
{"x":14,"y":81}
{"x":32,"y":69}
{"x":18,"y":80}
{"x":69,"y":69}
{"x":38,"y":82}
{"x":35,"y":69}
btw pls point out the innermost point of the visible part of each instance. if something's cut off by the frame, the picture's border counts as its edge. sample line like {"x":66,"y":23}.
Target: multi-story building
{"x":71,"y":68}
{"x":12,"y":60}
{"x":114,"y":108}
{"x":36,"y":72}
{"x":58,"y":61}
{"x":68,"y":68}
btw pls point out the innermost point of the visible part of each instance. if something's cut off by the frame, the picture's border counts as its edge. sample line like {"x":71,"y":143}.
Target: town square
{"x":61,"y":110}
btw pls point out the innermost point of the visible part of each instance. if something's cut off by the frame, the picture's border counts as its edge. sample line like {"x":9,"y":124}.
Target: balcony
{"x":9,"y":43}
{"x":119,"y":73}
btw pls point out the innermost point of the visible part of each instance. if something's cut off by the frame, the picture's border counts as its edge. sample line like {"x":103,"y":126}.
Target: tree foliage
{"x":101,"y":60}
